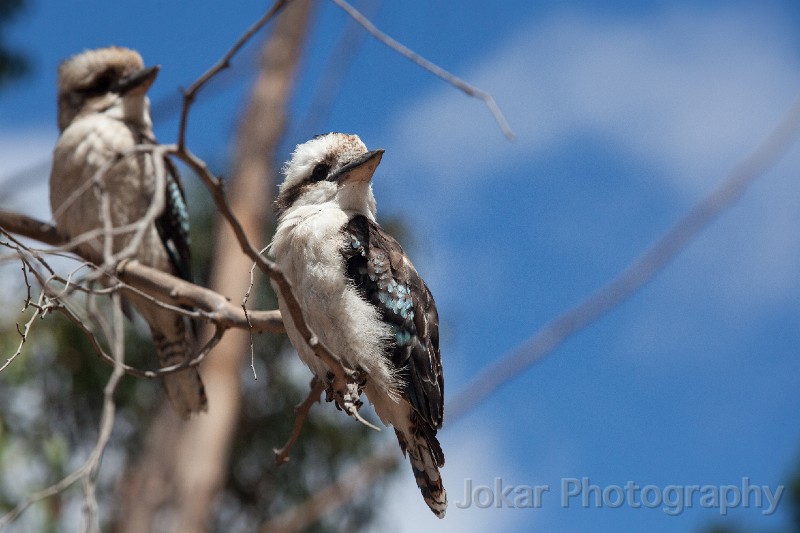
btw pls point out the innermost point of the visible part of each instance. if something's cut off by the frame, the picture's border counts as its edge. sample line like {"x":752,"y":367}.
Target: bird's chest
{"x":90,"y":160}
{"x":308,"y":248}
{"x":93,"y":167}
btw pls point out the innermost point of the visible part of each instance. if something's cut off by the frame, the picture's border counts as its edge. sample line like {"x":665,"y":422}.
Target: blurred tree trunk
{"x":183,"y":466}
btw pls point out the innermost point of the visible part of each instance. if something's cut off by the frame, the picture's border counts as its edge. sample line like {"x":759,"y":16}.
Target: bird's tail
{"x":184,"y":388}
{"x":426,"y":457}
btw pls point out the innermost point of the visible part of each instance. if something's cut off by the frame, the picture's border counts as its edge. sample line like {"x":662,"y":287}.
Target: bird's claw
{"x":349,"y":399}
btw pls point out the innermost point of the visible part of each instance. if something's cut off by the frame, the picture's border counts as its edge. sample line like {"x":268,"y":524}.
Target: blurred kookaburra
{"x":103,"y":112}
{"x":361,"y":296}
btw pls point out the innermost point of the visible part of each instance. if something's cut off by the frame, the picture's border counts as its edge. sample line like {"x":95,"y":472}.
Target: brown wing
{"x":385,"y":277}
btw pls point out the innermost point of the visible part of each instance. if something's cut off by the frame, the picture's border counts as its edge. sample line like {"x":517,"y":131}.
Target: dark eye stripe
{"x":289,"y":196}
{"x":101,"y":84}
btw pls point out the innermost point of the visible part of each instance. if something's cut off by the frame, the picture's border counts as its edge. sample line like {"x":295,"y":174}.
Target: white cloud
{"x":685,"y":90}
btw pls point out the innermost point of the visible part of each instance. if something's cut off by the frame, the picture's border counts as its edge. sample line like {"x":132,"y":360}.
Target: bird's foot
{"x":349,"y":399}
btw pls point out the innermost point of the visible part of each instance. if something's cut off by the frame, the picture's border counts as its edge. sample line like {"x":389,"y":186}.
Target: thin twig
{"x":27,"y":300}
{"x":107,"y":417}
{"x":247,"y":315}
{"x":18,"y":247}
{"x":431,"y":67}
{"x":38,"y":309}
{"x":301,"y":411}
{"x":191,"y":93}
{"x":98,"y":349}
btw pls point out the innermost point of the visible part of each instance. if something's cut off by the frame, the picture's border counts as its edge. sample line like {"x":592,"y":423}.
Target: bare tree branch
{"x":191,"y":93}
{"x":91,"y":519}
{"x":38,"y":308}
{"x":216,"y":308}
{"x":431,"y":67}
{"x":169,"y":289}
{"x":301,"y":411}
{"x":31,"y":228}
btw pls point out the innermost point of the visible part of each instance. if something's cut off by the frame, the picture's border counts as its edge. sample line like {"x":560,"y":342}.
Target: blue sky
{"x":626,"y":114}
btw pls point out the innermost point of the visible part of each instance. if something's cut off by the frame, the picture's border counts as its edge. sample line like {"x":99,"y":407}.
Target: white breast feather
{"x":308,"y":245}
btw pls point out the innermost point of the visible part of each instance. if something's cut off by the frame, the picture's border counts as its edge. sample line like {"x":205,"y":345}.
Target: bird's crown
{"x":327,"y":152}
{"x":96,"y":81}
{"x":97,"y":68}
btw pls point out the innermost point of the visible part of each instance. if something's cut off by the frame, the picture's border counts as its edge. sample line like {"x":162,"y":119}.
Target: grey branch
{"x":301,"y":411}
{"x":191,"y":93}
{"x":431,"y":67}
{"x":170,"y":289}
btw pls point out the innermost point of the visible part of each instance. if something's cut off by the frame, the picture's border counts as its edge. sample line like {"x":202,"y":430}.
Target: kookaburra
{"x":103,"y":113}
{"x":361,"y":296}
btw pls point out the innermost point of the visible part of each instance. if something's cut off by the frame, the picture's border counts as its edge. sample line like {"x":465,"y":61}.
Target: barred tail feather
{"x":426,"y":457}
{"x":185,"y":389}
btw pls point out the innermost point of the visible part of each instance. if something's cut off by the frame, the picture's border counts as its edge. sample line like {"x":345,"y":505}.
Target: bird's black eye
{"x":320,"y":172}
{"x":101,"y":84}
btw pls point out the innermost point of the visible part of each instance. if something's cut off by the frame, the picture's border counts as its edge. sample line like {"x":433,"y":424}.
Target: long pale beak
{"x":361,"y":169}
{"x":139,"y":81}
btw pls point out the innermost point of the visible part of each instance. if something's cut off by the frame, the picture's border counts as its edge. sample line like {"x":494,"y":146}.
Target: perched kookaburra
{"x":361,"y":296}
{"x":103,"y":112}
